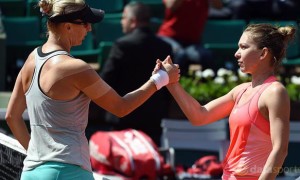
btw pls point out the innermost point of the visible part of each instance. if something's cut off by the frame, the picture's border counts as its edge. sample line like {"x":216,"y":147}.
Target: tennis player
{"x":57,"y":88}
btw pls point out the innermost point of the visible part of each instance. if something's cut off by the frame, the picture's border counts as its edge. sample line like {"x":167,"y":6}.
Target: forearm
{"x":273,"y":164}
{"x":156,"y":82}
{"x":121,"y":106}
{"x":19,"y":130}
{"x":137,"y":97}
{"x":15,"y":109}
{"x":190,"y":106}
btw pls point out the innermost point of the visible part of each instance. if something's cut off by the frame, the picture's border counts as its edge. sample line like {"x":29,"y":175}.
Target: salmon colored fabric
{"x":250,"y":138}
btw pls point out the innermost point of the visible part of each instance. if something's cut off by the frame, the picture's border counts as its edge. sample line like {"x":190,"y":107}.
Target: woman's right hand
{"x":172,"y":70}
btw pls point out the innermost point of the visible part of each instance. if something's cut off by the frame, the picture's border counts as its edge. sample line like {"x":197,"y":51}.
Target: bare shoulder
{"x":80,"y":72}
{"x":29,"y":63}
{"x":75,"y":64}
{"x":276,"y":93}
{"x":276,"y":89}
{"x":72,"y":66}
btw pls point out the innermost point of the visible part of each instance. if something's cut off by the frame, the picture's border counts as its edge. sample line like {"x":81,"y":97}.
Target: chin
{"x":243,"y":70}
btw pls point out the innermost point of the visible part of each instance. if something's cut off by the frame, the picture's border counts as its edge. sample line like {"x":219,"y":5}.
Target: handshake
{"x":165,"y":72}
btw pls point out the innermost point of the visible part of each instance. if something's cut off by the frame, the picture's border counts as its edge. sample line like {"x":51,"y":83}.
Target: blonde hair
{"x":53,"y":8}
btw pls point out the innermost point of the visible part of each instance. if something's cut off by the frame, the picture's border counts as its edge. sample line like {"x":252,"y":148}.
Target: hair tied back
{"x":45,"y":7}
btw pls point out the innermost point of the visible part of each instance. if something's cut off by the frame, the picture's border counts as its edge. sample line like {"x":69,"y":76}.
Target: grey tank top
{"x":57,"y":126}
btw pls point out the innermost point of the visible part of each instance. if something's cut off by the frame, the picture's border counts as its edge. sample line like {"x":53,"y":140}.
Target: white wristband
{"x":160,"y":79}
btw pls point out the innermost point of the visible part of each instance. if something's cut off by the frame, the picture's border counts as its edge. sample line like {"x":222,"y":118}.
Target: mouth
{"x":239,"y":63}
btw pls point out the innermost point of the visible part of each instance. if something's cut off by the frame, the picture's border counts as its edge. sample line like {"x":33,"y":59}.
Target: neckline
{"x":271,"y":78}
{"x":42,"y":54}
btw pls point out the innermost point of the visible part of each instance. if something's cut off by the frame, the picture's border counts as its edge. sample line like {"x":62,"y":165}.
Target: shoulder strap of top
{"x":48,"y":55}
{"x":267,"y":83}
{"x":40,"y":59}
{"x":241,"y":92}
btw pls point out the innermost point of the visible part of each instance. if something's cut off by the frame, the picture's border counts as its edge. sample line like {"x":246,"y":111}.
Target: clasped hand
{"x":168,"y":66}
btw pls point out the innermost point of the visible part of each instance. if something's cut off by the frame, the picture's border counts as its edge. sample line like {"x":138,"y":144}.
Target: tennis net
{"x":12,"y":155}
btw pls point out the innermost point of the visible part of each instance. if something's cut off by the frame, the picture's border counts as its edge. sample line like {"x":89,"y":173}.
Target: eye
{"x":243,"y":47}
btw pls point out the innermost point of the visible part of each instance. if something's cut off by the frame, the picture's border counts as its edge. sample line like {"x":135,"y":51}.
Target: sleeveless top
{"x":57,"y":126}
{"x":249,"y":136}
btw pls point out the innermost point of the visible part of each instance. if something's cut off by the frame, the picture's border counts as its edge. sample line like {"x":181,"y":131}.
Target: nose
{"x":237,"y":54}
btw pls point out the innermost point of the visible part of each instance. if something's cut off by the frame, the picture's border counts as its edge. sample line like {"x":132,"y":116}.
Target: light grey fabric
{"x":57,"y":127}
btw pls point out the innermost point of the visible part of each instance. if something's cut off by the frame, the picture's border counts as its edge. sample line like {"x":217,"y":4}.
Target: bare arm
{"x":198,"y":114}
{"x":279,"y":115}
{"x":121,"y":106}
{"x":15,"y":109}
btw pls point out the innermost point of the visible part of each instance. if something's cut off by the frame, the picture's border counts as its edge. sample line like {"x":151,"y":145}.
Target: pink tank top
{"x":250,"y":138}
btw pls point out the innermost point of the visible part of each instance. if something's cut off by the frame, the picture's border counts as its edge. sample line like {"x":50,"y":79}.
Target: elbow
{"x":121,"y":112}
{"x":284,"y":150}
{"x":284,"y":153}
{"x":194,"y":122}
{"x":197,"y":119}
{"x":8,"y":118}
{"x":119,"y":109}
{"x":197,"y":123}
{"x":120,"y":115}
